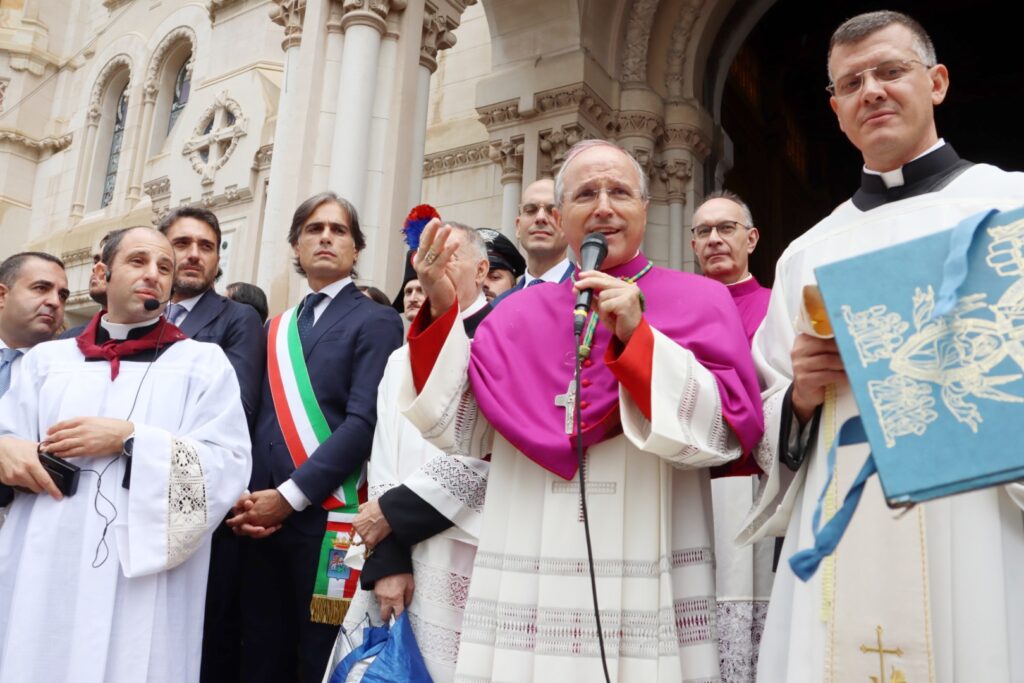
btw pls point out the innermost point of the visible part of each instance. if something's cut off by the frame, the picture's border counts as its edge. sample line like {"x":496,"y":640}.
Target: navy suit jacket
{"x":346,"y":352}
{"x":235,"y":328}
{"x":522,"y":280}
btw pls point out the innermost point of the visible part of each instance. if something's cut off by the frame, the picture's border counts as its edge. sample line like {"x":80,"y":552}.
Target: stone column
{"x":288,"y":136}
{"x":364,"y":24}
{"x":329,"y":98}
{"x":509,"y":155}
{"x":687,"y":143}
{"x":149,"y":93}
{"x":437,"y":36}
{"x":92,"y":124}
{"x":676,"y":175}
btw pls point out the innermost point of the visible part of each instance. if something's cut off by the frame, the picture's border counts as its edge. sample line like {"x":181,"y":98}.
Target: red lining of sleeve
{"x":426,"y":337}
{"x":632,"y":365}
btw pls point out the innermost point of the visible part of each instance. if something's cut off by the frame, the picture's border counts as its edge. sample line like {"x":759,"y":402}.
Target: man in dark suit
{"x":541,"y":238}
{"x":97,"y":290}
{"x":204,"y":315}
{"x":341,"y":342}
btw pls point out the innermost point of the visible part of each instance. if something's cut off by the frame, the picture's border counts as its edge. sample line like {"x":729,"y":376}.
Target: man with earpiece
{"x":104,"y":555}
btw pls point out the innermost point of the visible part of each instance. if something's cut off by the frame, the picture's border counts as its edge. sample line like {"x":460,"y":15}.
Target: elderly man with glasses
{"x":666,"y":391}
{"x":930,"y":595}
{"x":724,"y":236}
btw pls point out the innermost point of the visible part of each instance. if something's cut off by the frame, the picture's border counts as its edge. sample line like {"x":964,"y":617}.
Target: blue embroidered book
{"x":932,"y":336}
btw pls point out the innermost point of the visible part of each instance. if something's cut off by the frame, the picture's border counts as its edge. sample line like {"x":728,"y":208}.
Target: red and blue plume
{"x":416,"y":221}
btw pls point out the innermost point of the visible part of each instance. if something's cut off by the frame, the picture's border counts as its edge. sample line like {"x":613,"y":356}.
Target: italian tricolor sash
{"x":304,"y":428}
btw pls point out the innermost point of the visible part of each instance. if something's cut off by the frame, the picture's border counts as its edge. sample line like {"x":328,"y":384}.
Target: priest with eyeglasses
{"x":667,"y":391}
{"x":934,"y":594}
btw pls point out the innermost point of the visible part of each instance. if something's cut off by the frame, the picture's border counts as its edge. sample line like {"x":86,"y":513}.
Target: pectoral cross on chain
{"x":567,"y":401}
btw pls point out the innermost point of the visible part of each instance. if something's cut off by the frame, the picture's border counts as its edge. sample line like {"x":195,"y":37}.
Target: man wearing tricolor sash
{"x":667,"y":390}
{"x":325,"y":358}
{"x":933,"y":594}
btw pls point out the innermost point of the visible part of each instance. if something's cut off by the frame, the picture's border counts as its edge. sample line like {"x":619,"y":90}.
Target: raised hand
{"x":431,"y":266}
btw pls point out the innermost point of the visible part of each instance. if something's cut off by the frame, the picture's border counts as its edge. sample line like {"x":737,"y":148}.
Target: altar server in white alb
{"x":108,"y":585}
{"x":667,"y":391}
{"x":423,"y":517}
{"x":935,"y":594}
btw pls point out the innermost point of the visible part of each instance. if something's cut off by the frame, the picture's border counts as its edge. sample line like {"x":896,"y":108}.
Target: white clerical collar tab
{"x":893,"y":178}
{"x":121,"y":330}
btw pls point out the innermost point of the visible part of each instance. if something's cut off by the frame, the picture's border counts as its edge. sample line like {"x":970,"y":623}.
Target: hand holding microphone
{"x":592,"y":253}
{"x":619,"y":303}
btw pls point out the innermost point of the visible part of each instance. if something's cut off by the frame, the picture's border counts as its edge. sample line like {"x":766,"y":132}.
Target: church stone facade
{"x":112,"y":112}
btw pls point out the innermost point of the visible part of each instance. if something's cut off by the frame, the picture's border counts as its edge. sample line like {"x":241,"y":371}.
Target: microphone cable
{"x":583,"y":507}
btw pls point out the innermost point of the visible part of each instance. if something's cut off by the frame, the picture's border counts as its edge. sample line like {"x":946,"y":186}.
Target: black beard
{"x":186,"y":289}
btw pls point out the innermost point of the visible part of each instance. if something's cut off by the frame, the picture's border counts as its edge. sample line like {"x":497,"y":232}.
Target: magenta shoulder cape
{"x":523,"y":356}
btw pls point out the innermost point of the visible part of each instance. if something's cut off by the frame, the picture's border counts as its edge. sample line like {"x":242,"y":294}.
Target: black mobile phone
{"x":64,"y":474}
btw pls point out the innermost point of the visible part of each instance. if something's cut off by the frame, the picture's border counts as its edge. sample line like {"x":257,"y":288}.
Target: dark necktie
{"x":7,"y":358}
{"x":538,"y":281}
{"x":305,"y":321}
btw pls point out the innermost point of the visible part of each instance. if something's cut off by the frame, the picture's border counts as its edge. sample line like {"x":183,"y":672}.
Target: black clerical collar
{"x":102,"y":335}
{"x":928,"y":173}
{"x":470,"y":323}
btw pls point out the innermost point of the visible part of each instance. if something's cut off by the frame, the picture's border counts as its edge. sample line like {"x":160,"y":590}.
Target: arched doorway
{"x":788,"y":157}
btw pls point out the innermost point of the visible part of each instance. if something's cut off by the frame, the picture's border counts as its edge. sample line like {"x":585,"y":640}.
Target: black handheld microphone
{"x":592,"y":253}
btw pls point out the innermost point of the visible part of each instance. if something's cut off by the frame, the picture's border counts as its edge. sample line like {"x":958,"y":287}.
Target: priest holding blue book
{"x":933,"y":594}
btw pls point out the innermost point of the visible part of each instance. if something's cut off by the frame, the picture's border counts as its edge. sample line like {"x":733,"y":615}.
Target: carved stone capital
{"x":93,"y":114}
{"x":456,"y":159}
{"x":639,"y":124}
{"x":676,"y":175}
{"x":688,"y":138}
{"x":554,"y":144}
{"x":509,"y":155}
{"x":580,"y":98}
{"x":369,"y":13}
{"x":213,"y":7}
{"x":289,"y":13}
{"x":261,"y":160}
{"x":438,"y":34}
{"x":38,"y":148}
{"x":334,"y":15}
{"x":500,"y":114}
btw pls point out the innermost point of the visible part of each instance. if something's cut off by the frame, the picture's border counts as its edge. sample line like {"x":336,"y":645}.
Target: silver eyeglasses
{"x":886,"y":72}
{"x":725,"y":229}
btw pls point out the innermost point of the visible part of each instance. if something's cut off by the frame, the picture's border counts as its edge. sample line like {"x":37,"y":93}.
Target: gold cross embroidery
{"x":897,"y":675}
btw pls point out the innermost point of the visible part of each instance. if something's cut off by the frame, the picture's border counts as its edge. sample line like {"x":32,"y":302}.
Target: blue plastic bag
{"x":394,"y":653}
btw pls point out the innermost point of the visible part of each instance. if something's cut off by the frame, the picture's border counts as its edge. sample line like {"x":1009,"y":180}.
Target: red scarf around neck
{"x":162,"y":334}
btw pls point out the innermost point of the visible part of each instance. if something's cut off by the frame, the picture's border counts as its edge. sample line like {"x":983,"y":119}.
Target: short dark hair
{"x":306,"y":210}
{"x":245,"y":293}
{"x":197,"y":212}
{"x":10,"y":269}
{"x":112,"y":243}
{"x":375,"y":294}
{"x":856,"y":29}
